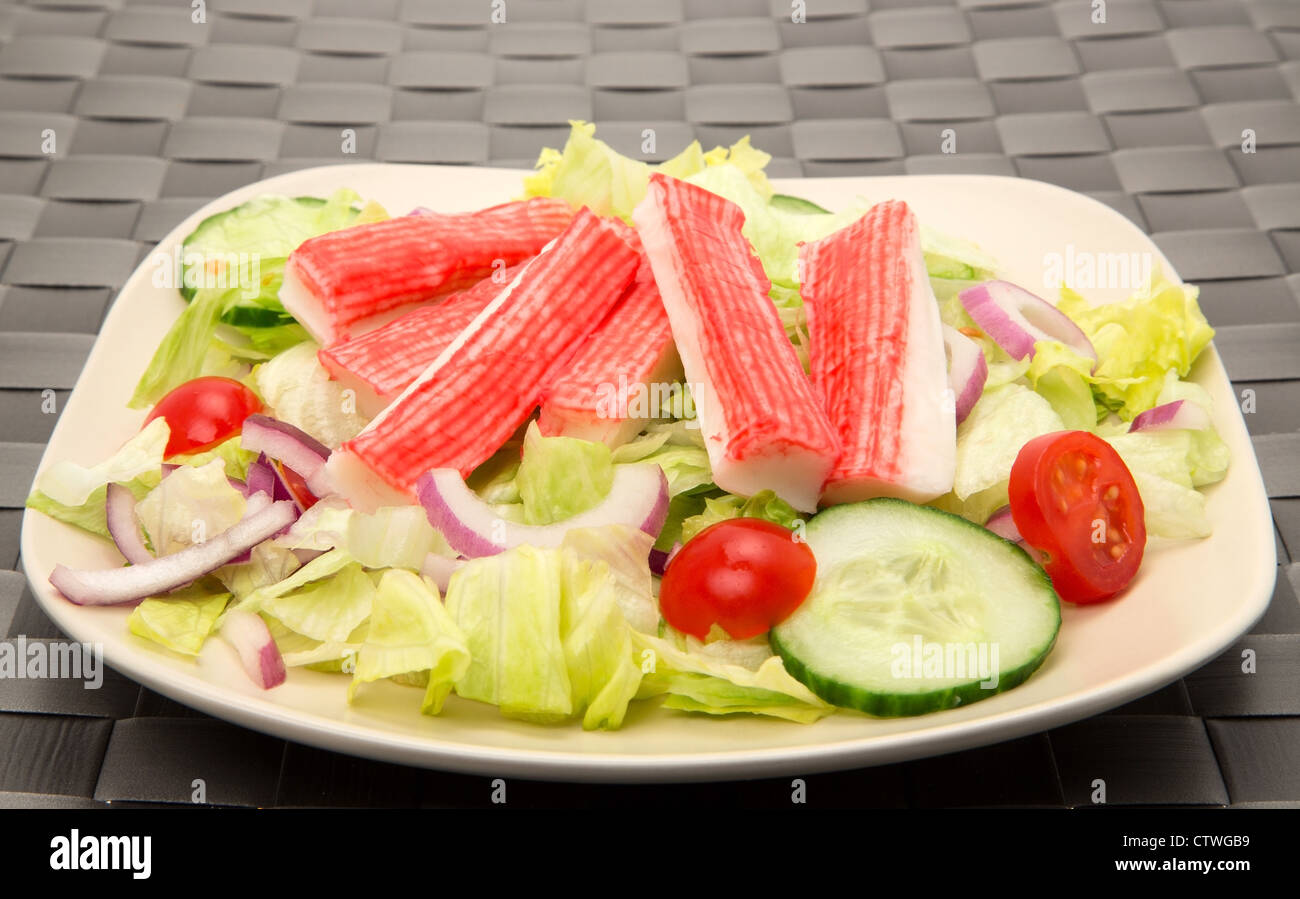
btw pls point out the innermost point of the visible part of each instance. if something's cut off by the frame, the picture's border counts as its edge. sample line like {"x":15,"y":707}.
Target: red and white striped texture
{"x":763,"y":425}
{"x":379,"y":365}
{"x":620,"y":377}
{"x":487,"y":382}
{"x":349,"y":281}
{"x":877,"y":359}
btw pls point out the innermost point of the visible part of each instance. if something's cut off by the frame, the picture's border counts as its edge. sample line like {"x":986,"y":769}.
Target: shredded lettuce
{"x":189,"y":506}
{"x":546,"y":635}
{"x":411,"y":633}
{"x":389,"y":537}
{"x":988,"y":441}
{"x":1063,"y":377}
{"x":697,"y":682}
{"x":508,"y":607}
{"x":765,"y":505}
{"x":70,"y":484}
{"x":296,"y":389}
{"x":626,"y":551}
{"x":182,"y":620}
{"x":560,"y":477}
{"x":90,"y":516}
{"x":677,"y":449}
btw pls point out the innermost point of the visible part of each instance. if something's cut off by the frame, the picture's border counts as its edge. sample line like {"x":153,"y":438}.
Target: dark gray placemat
{"x":152,"y":114}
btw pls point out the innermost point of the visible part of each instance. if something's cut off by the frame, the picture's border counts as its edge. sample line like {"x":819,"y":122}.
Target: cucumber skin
{"x":900,"y":705}
{"x":903,"y":705}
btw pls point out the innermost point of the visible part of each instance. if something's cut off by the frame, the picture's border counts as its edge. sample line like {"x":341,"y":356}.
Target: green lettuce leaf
{"x":700,"y":683}
{"x":765,"y":505}
{"x":508,"y":607}
{"x":988,"y":441}
{"x":588,"y":172}
{"x":1063,"y":377}
{"x":182,"y":621}
{"x":325,"y":600}
{"x":90,"y":516}
{"x":389,"y":537}
{"x":296,"y":389}
{"x":677,"y":449}
{"x":560,"y":477}
{"x":1160,"y":329}
{"x":410,"y":632}
{"x":190,"y":506}
{"x":70,"y":484}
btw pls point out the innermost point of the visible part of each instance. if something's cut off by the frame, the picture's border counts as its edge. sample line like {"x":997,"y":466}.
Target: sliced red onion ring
{"x":251,"y":638}
{"x":1016,"y":319}
{"x":439,"y":569}
{"x":967,"y":370}
{"x":293,"y":447}
{"x":1002,"y":524}
{"x":421,"y":210}
{"x":659,"y":559}
{"x":119,"y":510}
{"x":637,"y":498}
{"x":1178,"y":415}
{"x":112,"y":586}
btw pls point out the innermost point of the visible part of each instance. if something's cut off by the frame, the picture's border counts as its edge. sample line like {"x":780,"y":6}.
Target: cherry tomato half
{"x":1074,"y":500}
{"x":297,"y":486}
{"x":744,"y":575}
{"x":203,"y":413}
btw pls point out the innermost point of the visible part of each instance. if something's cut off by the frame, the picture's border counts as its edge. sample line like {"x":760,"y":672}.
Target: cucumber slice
{"x":268,"y":226}
{"x":798,"y":205}
{"x":915,"y":610}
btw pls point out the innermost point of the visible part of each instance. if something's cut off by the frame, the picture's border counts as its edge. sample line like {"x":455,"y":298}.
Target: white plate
{"x":1189,"y":602}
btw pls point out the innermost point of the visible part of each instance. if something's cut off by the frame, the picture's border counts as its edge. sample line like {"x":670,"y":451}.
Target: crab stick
{"x":621,"y":376}
{"x":763,"y":425}
{"x":486,"y":383}
{"x":379,"y":365}
{"x":349,"y":281}
{"x":877,"y":359}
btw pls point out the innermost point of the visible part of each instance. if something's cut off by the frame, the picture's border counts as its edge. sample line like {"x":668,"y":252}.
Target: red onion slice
{"x":637,"y":498}
{"x":251,"y":638}
{"x":1178,"y":415}
{"x":1016,"y":319}
{"x":293,"y":447}
{"x":112,"y":586}
{"x":1003,"y":524}
{"x":119,"y":510}
{"x":967,"y":370}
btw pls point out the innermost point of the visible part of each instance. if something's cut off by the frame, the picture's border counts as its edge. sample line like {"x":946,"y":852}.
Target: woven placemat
{"x":1181,"y":114}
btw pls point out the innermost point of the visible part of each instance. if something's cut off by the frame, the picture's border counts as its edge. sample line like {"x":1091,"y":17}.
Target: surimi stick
{"x":379,"y":365}
{"x":349,"y":281}
{"x":619,"y":378}
{"x":877,"y":359}
{"x":483,"y":386}
{"x":763,"y":425}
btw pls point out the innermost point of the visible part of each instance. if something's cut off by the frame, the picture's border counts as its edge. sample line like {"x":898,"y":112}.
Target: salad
{"x":648,"y":433}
